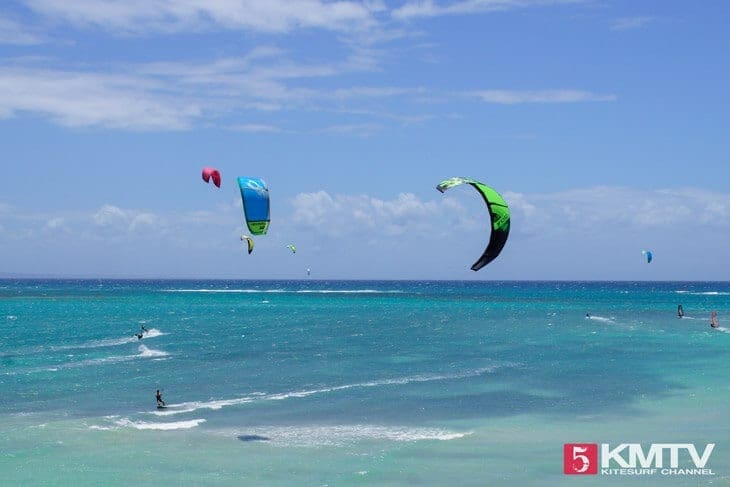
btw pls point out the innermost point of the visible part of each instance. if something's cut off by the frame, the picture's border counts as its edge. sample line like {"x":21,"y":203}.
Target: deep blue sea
{"x":355,"y":382}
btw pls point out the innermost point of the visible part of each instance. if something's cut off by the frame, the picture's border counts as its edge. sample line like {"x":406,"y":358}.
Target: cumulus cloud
{"x":109,"y":215}
{"x":56,"y":223}
{"x":598,"y":210}
{"x":603,"y":209}
{"x":346,"y":215}
{"x":125,"y":220}
{"x":594,"y":210}
{"x":331,"y":229}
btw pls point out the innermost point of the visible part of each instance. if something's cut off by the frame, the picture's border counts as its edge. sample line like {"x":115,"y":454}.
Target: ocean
{"x":315,"y":382}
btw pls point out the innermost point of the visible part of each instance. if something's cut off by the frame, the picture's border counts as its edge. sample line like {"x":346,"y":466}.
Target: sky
{"x":602,"y":123}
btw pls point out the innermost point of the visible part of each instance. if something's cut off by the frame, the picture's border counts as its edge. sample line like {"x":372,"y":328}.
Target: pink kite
{"x":210,"y":172}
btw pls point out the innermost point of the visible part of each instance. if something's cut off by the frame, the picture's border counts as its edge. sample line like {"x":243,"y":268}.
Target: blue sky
{"x":602,"y":123}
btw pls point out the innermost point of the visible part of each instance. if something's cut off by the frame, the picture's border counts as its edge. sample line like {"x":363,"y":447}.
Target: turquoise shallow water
{"x":354,"y":382}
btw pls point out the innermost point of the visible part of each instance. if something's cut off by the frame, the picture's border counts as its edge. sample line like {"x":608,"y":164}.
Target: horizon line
{"x":225,"y":279}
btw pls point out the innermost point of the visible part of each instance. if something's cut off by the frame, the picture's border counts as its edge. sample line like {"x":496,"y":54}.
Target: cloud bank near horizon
{"x":401,"y":237}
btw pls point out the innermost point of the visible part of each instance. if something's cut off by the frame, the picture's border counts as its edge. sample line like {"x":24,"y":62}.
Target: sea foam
{"x":327,"y":435}
{"x":188,"y":407}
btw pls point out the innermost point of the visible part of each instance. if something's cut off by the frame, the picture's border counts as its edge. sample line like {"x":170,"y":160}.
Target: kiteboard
{"x":161,"y":407}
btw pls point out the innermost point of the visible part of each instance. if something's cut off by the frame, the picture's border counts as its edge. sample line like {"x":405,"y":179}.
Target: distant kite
{"x":249,"y":241}
{"x":648,"y":255}
{"x":210,"y":172}
{"x":292,"y":248}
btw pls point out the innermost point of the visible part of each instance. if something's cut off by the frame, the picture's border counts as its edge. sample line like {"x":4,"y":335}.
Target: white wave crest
{"x":204,"y":290}
{"x":148,"y":352}
{"x":141,"y":425}
{"x":343,"y":434}
{"x":603,"y":319}
{"x":704,"y":293}
{"x":188,"y":407}
{"x":311,"y":291}
{"x":108,"y":342}
{"x":152,"y":333}
{"x":348,"y":291}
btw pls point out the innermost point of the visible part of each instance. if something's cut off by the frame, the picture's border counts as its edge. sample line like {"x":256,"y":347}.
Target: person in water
{"x":144,"y":330}
{"x":138,"y":335}
{"x":158,"y":396}
{"x":680,"y":311}
{"x":713,"y":320}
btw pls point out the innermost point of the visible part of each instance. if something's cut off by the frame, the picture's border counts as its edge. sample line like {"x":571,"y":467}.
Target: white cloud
{"x":356,"y":129}
{"x":83,"y":99}
{"x":12,"y":32}
{"x":363,"y":216}
{"x":592,"y":210}
{"x":187,"y":94}
{"x":431,"y":8}
{"x":513,"y":97}
{"x":602,"y":209}
{"x":125,"y":220}
{"x":174,"y":96}
{"x":403,"y":119}
{"x":711,"y":208}
{"x":598,"y":210}
{"x":180,"y":96}
{"x":391,"y":236}
{"x":256,"y":128}
{"x":143,"y":221}
{"x":627,"y":23}
{"x":109,"y":215}
{"x":372,"y":92}
{"x":56,"y":224}
{"x":272,"y":16}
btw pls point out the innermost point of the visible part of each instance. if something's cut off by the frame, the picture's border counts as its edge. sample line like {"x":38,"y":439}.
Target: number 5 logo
{"x":580,"y":459}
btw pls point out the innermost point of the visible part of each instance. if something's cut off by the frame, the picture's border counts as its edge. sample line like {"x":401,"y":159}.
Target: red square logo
{"x":580,"y":459}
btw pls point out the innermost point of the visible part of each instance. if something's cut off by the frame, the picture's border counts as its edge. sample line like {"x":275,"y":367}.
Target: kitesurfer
{"x":144,"y":330}
{"x":680,"y":311}
{"x":713,"y":320}
{"x":158,"y":396}
{"x":139,"y":335}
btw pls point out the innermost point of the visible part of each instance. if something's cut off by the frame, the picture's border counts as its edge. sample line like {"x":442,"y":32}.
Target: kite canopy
{"x":210,"y":172}
{"x":648,"y":255}
{"x":249,"y":241}
{"x":255,"y":199}
{"x":498,"y":212}
{"x":292,"y":248}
